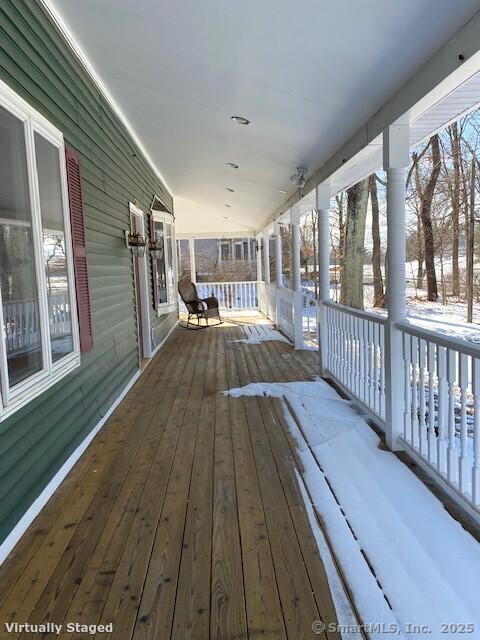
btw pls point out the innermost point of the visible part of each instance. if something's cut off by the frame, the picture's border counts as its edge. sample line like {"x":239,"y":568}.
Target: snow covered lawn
{"x":424,"y":567}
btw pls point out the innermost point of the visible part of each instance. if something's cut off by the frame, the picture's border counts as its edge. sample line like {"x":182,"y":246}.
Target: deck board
{"x":183,"y":519}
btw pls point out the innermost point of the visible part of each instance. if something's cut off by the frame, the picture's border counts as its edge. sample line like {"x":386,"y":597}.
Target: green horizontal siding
{"x":34,"y":442}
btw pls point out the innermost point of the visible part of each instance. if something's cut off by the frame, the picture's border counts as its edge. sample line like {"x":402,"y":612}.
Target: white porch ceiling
{"x":307,"y":75}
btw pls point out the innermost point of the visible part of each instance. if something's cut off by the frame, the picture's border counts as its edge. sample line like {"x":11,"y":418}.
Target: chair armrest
{"x":211,"y":302}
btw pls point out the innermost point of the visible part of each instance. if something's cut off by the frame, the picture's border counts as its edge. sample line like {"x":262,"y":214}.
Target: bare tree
{"x":351,"y":292}
{"x":378,"y":292}
{"x":426,"y":194}
{"x":455,"y":198}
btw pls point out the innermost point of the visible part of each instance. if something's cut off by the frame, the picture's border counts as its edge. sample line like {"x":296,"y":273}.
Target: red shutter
{"x":75,"y":199}
{"x":154,"y":266}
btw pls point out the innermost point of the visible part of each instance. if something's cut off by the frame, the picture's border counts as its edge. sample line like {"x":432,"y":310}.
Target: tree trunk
{"x":426,"y":217}
{"x":378,"y":292}
{"x":419,"y":254}
{"x":351,"y":292}
{"x":455,"y":144}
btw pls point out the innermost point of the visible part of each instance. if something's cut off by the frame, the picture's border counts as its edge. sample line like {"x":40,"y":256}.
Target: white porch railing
{"x":442,"y":406}
{"x":439,"y":391}
{"x":270,"y":301}
{"x":356,"y":355}
{"x":231,"y":295}
{"x":309,"y":318}
{"x":285,"y":310}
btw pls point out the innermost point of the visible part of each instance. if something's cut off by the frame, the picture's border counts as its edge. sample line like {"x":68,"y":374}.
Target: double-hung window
{"x":39,"y":342}
{"x":164,"y":266}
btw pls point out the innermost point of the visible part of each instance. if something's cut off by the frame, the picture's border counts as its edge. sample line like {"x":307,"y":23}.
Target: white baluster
{"x":452,"y":456}
{"x":476,"y":431}
{"x":442,"y":408}
{"x":407,"y":412}
{"x":431,"y":402}
{"x":382,"y":371}
{"x":414,"y":387}
{"x":422,"y":427}
{"x":463,"y":460}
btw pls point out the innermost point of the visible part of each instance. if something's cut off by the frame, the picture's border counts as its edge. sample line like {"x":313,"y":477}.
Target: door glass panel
{"x":161,"y":264}
{"x":54,"y":256}
{"x":18,"y":281}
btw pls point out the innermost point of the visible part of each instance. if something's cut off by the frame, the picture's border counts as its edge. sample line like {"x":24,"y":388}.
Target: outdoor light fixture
{"x":156,"y":248}
{"x":240,"y":120}
{"x":232,"y":165}
{"x":137,"y":243}
{"x":298,"y":178}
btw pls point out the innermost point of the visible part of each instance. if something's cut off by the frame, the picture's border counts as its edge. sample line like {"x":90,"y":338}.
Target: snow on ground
{"x":426,"y":563}
{"x":258,"y":333}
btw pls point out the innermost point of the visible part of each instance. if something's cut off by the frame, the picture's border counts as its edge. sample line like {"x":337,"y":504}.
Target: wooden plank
{"x":156,"y":608}
{"x":264,"y":612}
{"x":192,"y":605}
{"x":131,"y":564}
{"x":298,"y":603}
{"x":227,"y":609}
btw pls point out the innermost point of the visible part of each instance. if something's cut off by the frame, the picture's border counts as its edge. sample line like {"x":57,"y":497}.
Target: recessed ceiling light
{"x":240,"y":120}
{"x":226,"y":217}
{"x":232,"y":165}
{"x":228,"y":205}
{"x":230,"y":189}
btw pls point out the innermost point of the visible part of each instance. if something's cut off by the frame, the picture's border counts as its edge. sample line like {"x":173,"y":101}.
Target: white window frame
{"x":171,"y":304}
{"x":13,"y":398}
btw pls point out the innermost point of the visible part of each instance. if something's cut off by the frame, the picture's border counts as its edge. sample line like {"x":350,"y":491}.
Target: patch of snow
{"x":257,"y":333}
{"x":345,"y":615}
{"x":426,"y":563}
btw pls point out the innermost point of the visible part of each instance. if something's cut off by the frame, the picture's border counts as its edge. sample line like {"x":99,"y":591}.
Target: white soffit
{"x":456,"y":103}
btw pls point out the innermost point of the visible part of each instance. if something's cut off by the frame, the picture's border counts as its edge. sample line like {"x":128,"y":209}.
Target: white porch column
{"x":322,"y":198}
{"x":395,"y":162}
{"x":278,"y":269}
{"x":258,"y":244}
{"x":191,"y":248}
{"x":278,"y":254}
{"x":266,"y":256}
{"x":296,"y":279}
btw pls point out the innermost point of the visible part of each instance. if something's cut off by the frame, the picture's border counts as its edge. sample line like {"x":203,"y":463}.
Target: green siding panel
{"x":34,"y":442}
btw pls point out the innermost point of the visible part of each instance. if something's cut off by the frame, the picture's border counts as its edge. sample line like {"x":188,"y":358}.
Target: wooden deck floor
{"x":183,"y":519}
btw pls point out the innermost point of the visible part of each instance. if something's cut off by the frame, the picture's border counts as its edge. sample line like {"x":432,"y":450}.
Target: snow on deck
{"x":427,"y":565}
{"x":261,"y":332}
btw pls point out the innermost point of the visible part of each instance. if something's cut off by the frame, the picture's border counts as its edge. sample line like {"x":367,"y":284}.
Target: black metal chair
{"x":197,"y":307}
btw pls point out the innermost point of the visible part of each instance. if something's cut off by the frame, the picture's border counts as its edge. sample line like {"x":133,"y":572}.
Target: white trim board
{"x":32,"y":512}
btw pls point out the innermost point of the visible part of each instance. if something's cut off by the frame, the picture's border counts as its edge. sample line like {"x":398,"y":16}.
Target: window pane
{"x":18,"y":280}
{"x":170,"y":273}
{"x":161,"y":264}
{"x":53,"y":229}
